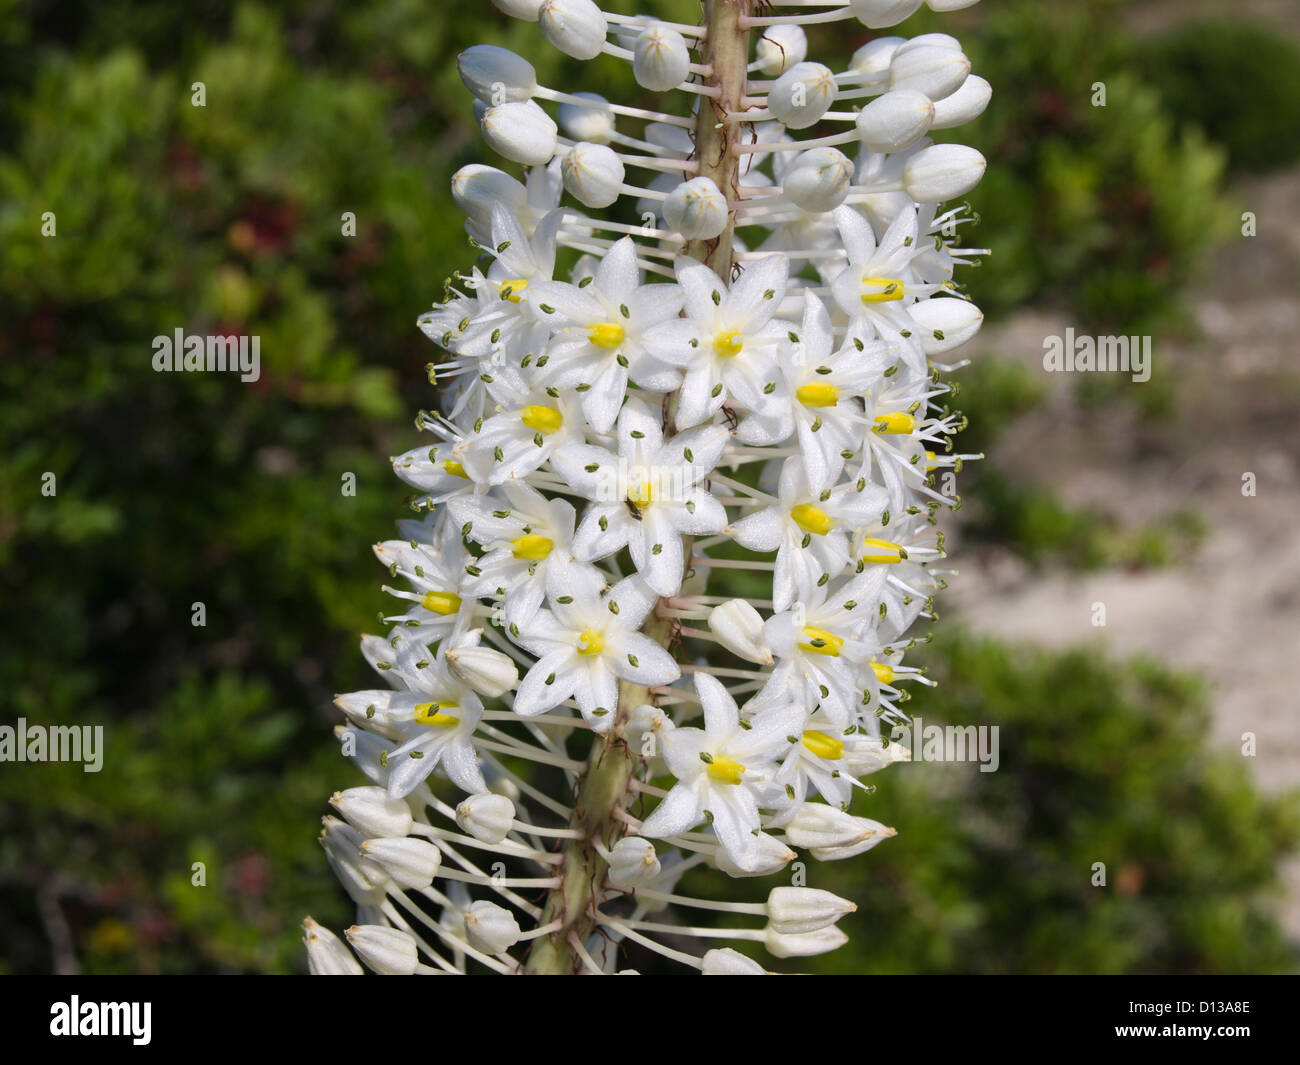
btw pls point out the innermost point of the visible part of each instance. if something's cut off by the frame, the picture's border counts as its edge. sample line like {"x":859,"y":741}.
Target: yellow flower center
{"x":591,"y":642}
{"x":725,"y":770}
{"x":900,"y":422}
{"x":812,"y":519}
{"x":882,"y":551}
{"x":607,"y":335}
{"x":431,"y":714}
{"x":455,"y":469}
{"x":821,"y":642}
{"x":888,"y":289}
{"x":532,"y":547}
{"x":728,"y":344}
{"x":883,"y":673}
{"x":818,"y":395}
{"x":641,"y":494}
{"x":543,"y":419}
{"x":822,"y":745}
{"x":441,"y":602}
{"x":511,"y":289}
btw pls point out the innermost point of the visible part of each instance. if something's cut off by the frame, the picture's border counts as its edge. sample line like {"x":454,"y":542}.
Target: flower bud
{"x":852,"y":850}
{"x":362,"y":879}
{"x":873,"y":58}
{"x":805,"y":944}
{"x":727,"y":962}
{"x":327,"y":955}
{"x":412,"y":863}
{"x":476,"y":187}
{"x":696,"y":209}
{"x":388,"y":951}
{"x":877,"y":14}
{"x":491,"y":928}
{"x":819,"y":825}
{"x":942,"y":172}
{"x":945,"y":322}
{"x":496,"y":75}
{"x":526,"y":10}
{"x":575,"y":27}
{"x":739,"y":629}
{"x":933,"y":69}
{"x":486,"y":817}
{"x":488,"y":671}
{"x":646,"y":727}
{"x":894,"y":121}
{"x":940,"y":40}
{"x":966,"y":103}
{"x":372,"y":812}
{"x":593,"y":122}
{"x":798,"y":910}
{"x":522,"y":132}
{"x":632,"y":862}
{"x":593,"y":173}
{"x":781,"y":47}
{"x":801,"y":95}
{"x":819,"y":180}
{"x":773,"y":856}
{"x":660,"y":60}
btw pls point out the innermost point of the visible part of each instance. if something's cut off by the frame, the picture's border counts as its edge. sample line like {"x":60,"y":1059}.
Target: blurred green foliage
{"x":176,"y":489}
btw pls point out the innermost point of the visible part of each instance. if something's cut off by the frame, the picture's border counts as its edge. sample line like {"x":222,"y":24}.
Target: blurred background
{"x":1120,"y":743}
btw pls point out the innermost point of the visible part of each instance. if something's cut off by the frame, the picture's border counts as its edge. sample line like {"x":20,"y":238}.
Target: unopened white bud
{"x":362,"y":879}
{"x":696,"y":209}
{"x":801,"y":95}
{"x":388,"y":951}
{"x":819,"y":180}
{"x":632,"y":862}
{"x":727,"y":962}
{"x":819,"y":825}
{"x":486,"y":817}
{"x":496,"y":75}
{"x":327,"y":955}
{"x":880,"y":13}
{"x":945,"y":323}
{"x":796,"y":910}
{"x":739,"y":629}
{"x":773,"y":856}
{"x":965,"y":104}
{"x":522,"y":132}
{"x":873,"y":58}
{"x":933,"y":69}
{"x":594,"y":174}
{"x":488,"y":671}
{"x":412,"y":863}
{"x":491,"y":928}
{"x":781,"y":47}
{"x":476,"y":187}
{"x":660,"y":60}
{"x":941,"y":40}
{"x":372,"y":812}
{"x":805,"y":944}
{"x":895,"y":121}
{"x":592,"y":122}
{"x":575,"y":27}
{"x":852,"y":850}
{"x":525,"y":10}
{"x":942,"y":172}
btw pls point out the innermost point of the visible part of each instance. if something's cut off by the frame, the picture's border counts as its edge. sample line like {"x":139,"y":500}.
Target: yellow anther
{"x":543,"y":419}
{"x":931,"y":461}
{"x":432,"y":714}
{"x":812,"y":519}
{"x":725,"y":770}
{"x":888,"y":289}
{"x":511,"y":289}
{"x":591,"y":642}
{"x":728,"y":344}
{"x":441,"y":602}
{"x":532,"y":547}
{"x":822,"y":745}
{"x":881,"y":551}
{"x":883,"y":673}
{"x":821,"y":642}
{"x":455,"y":469}
{"x":818,"y":395}
{"x":608,"y":335}
{"x":899,"y":422}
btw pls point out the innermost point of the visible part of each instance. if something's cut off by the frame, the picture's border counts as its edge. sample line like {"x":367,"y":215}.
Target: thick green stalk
{"x":605,"y":784}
